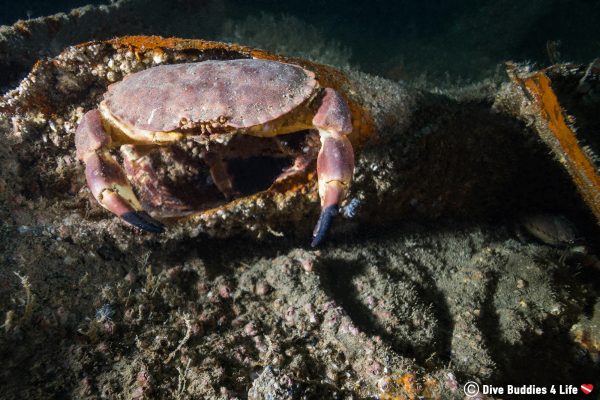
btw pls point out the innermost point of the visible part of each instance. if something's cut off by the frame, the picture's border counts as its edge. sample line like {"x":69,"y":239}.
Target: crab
{"x":177,"y":139}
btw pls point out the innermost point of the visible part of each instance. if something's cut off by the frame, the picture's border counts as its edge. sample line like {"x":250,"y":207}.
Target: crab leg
{"x":335,"y":162}
{"x":105,"y":177}
{"x":220,"y":175}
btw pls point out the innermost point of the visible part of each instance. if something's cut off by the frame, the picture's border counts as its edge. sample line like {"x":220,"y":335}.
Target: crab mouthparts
{"x":184,"y":178}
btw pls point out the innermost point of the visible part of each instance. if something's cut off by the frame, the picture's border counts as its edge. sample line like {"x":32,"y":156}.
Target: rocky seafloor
{"x":413,"y":308}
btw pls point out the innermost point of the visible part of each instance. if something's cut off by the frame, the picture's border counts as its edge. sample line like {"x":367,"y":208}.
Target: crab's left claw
{"x":335,"y":163}
{"x":105,"y":177}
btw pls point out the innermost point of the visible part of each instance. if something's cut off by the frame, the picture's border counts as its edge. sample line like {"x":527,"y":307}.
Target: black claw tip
{"x":143,"y":221}
{"x":323,"y":224}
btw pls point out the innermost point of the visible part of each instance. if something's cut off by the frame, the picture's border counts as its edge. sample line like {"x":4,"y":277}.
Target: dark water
{"x":458,"y":37}
{"x":407,"y":38}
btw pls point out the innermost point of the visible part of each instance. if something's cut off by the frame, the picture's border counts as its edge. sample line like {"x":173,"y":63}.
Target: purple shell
{"x":247,"y":92}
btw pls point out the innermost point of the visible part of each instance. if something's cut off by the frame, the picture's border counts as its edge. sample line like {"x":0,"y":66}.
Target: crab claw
{"x":110,"y":187}
{"x":106,"y":178}
{"x":142,"y":220}
{"x":327,"y":213}
{"x":335,"y":163}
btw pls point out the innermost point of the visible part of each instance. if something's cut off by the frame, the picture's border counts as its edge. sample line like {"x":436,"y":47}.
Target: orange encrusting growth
{"x":577,"y":162}
{"x":409,"y":386}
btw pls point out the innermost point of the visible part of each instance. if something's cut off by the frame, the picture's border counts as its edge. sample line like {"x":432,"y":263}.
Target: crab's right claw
{"x":335,"y":166}
{"x":335,"y":162}
{"x":106,"y":178}
{"x":327,"y":214}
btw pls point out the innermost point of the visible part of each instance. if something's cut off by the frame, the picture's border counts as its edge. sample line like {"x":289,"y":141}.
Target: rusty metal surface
{"x":551,"y":124}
